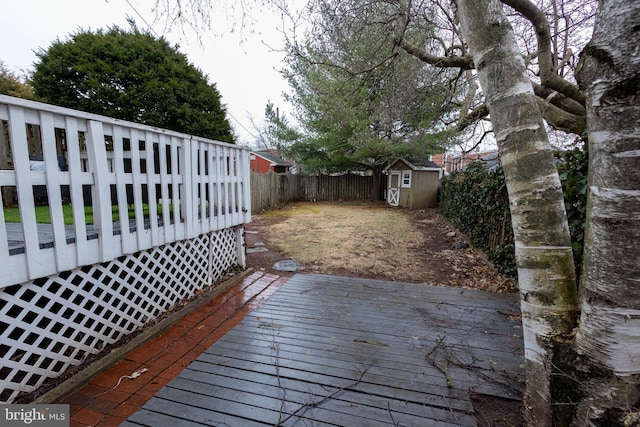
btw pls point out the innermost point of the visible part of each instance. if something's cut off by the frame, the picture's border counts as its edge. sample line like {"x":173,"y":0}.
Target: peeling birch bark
{"x":543,"y":244}
{"x":608,"y":339}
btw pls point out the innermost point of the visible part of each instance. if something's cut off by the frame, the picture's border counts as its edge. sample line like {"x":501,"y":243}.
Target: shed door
{"x":393,"y":193}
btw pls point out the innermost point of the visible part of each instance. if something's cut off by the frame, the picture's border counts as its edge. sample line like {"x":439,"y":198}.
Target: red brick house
{"x":266,"y":161}
{"x":454,"y":161}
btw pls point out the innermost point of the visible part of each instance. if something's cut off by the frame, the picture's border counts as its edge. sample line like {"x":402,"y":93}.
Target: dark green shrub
{"x":476,"y":201}
{"x":572,"y":167}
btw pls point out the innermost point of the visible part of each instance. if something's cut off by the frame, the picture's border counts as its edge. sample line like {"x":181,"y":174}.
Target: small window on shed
{"x":406,"y":179}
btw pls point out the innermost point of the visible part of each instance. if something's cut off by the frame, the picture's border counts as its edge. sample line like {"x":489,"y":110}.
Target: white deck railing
{"x":178,"y":187}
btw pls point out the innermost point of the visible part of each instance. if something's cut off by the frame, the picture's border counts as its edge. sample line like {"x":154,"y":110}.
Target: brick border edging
{"x":83,"y":377}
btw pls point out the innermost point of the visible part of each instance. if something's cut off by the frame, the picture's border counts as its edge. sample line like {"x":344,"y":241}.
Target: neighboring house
{"x":265,"y":161}
{"x":491,"y":161}
{"x":451,"y":162}
{"x":413,"y":183}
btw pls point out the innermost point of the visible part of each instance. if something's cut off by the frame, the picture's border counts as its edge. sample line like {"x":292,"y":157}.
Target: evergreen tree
{"x":361,"y":108}
{"x":131,"y":75}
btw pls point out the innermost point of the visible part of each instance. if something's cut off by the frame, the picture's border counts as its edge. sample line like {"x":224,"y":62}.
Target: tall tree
{"x":544,"y":257}
{"x":608,"y":340}
{"x":276,"y":133}
{"x":133,"y":76}
{"x":360,"y":100}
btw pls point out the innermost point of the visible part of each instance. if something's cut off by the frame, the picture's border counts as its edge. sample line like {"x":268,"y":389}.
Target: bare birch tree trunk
{"x":546,"y":274}
{"x":608,"y":339}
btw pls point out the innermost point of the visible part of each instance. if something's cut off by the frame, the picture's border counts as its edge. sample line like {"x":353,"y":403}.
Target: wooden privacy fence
{"x":271,"y":190}
{"x":339,"y":187}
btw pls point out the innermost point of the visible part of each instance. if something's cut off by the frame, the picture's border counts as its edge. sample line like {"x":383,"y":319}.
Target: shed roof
{"x":417,"y":164}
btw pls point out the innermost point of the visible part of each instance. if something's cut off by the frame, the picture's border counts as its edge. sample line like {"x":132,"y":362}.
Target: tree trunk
{"x":543,"y":244}
{"x":608,"y":340}
{"x":376,"y":189}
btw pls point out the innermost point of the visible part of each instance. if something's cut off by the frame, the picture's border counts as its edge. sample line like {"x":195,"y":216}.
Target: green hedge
{"x":572,"y":167}
{"x":476,"y":202}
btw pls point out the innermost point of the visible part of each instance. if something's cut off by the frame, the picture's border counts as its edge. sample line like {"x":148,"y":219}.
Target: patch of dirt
{"x":371,"y":240}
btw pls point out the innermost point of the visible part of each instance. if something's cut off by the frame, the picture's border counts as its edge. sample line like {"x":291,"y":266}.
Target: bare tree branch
{"x":473,"y":116}
{"x":545,"y":56}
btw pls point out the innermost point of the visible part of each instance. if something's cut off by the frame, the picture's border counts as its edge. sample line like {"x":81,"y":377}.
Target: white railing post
{"x":202,"y":192}
{"x":226,"y":182}
{"x":83,"y":254}
{"x":177,"y":174}
{"x":217,"y":182}
{"x":211,"y":185}
{"x":151,"y":190}
{"x":244,"y":198}
{"x":142,"y":237}
{"x":101,"y":196}
{"x":189,"y":200}
{"x":52,"y":173}
{"x":234,"y":190}
{"x":245,"y":186}
{"x":127,"y":240}
{"x":241,"y":257}
{"x":168,"y":229}
{"x":24,"y":186}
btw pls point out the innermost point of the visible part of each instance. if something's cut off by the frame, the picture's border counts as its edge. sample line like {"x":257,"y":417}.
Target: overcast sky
{"x":244,"y":72}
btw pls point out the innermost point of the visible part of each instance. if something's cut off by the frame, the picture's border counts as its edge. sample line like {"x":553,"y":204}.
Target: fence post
{"x":152,"y":180}
{"x":244,"y":186}
{"x":52,"y":174}
{"x":128,"y":243}
{"x":24,"y":186}
{"x":177,"y":174}
{"x":101,"y":194}
{"x":241,"y":257}
{"x":189,"y":167}
{"x":83,"y":255}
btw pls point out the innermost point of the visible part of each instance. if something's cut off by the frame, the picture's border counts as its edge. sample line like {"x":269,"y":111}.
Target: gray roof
{"x":423,"y":163}
{"x":416,"y":164}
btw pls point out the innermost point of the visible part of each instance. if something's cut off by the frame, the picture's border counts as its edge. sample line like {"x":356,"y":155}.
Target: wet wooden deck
{"x":327,"y":350}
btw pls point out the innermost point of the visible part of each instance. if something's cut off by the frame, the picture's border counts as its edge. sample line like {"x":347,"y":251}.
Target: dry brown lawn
{"x":372,"y":240}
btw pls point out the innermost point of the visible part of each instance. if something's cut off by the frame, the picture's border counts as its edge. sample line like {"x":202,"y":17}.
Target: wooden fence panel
{"x":341,"y":187}
{"x":271,"y":190}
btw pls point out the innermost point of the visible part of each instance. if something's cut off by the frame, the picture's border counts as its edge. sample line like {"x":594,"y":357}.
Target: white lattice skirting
{"x":50,"y":324}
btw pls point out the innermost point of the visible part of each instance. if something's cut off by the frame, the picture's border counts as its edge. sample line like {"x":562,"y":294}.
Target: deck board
{"x":327,"y":350}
